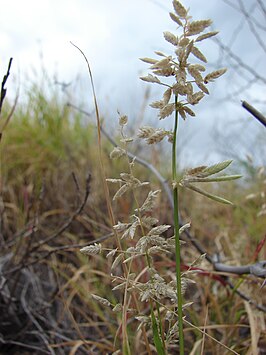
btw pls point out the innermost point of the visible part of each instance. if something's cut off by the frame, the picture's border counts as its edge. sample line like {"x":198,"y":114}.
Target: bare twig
{"x":3,"y":89}
{"x":62,"y":248}
{"x":24,"y":345}
{"x":240,"y":62}
{"x":259,"y":116}
{"x":252,"y":27}
{"x":257,"y":269}
{"x":41,"y":332}
{"x":71,"y":219}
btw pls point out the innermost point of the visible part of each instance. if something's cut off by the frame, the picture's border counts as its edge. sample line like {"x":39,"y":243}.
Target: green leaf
{"x":216,"y":179}
{"x":156,"y":337}
{"x":209,"y":195}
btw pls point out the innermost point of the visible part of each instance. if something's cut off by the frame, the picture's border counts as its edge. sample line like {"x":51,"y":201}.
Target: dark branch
{"x":259,"y":116}
{"x":3,"y":89}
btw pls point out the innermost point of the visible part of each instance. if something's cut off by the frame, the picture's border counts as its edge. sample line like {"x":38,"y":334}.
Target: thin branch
{"x":252,"y":26}
{"x":71,"y":219}
{"x":41,"y":332}
{"x":3,"y":89}
{"x":239,"y":61}
{"x":259,"y":116}
{"x":24,"y":345}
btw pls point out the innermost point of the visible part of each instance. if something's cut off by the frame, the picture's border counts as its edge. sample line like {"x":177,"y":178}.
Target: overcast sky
{"x":114,"y":34}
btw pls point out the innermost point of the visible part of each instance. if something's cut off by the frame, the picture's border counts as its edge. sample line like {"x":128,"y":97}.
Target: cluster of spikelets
{"x":189,"y":84}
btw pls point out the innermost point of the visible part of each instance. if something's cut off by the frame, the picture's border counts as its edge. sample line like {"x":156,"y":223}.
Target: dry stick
{"x":75,"y":214}
{"x":3,"y":89}
{"x":2,"y":97}
{"x":259,"y":116}
{"x":24,"y":345}
{"x":239,"y":61}
{"x":34,"y":320}
{"x":257,"y":269}
{"x":62,"y":248}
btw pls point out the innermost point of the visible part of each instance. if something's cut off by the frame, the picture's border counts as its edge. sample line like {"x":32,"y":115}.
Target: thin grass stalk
{"x":106,"y":192}
{"x":147,"y":257}
{"x":177,"y":237}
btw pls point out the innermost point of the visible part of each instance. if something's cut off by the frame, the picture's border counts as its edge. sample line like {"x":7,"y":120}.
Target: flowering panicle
{"x":182,"y":74}
{"x":189,"y":80}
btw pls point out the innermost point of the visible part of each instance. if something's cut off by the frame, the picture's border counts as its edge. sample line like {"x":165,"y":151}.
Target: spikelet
{"x":198,"y":67}
{"x":184,"y":42}
{"x":202,"y":87}
{"x":176,"y":19}
{"x":214,"y":75}
{"x":166,"y":111}
{"x":117,"y":261}
{"x":157,"y":136}
{"x":91,"y":249}
{"x":123,"y":120}
{"x":149,"y":203}
{"x":195,"y":98}
{"x":157,"y":104}
{"x":148,"y":60}
{"x":117,"y":152}
{"x":197,"y":53}
{"x":170,"y":37}
{"x":197,"y":27}
{"x":145,"y":131}
{"x":179,"y":89}
{"x":206,"y":35}
{"x":150,"y":79}
{"x":179,"y":9}
{"x":152,"y":135}
{"x":101,"y":300}
{"x":167,"y":96}
{"x":111,"y":253}
{"x":161,"y":54}
{"x":181,"y":77}
{"x":168,"y":71}
{"x":195,"y":73}
{"x":117,"y":308}
{"x":160,"y":64}
{"x":189,"y":111}
{"x":182,"y":113}
{"x":184,"y":227}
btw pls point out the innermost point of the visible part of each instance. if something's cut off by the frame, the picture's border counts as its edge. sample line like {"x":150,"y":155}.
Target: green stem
{"x":177,"y":239}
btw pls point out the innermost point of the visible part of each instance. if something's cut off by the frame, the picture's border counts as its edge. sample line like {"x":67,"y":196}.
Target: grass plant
{"x":158,"y":290}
